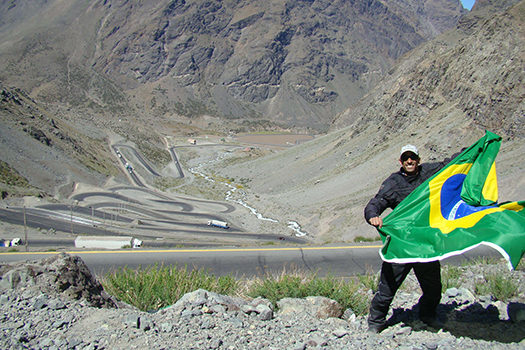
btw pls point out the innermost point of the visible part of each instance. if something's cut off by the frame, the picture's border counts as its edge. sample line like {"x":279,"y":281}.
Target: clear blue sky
{"x":468,"y":3}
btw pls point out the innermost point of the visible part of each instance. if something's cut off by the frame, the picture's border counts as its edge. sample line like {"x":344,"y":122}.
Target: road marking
{"x":229,"y":250}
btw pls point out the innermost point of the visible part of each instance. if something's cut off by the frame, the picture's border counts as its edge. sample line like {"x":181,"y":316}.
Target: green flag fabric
{"x":456,"y":210}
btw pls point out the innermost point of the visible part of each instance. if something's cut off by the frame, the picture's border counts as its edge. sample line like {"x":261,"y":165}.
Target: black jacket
{"x":398,"y":186}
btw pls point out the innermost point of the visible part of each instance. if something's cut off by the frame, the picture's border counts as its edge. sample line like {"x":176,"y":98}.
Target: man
{"x":393,"y":190}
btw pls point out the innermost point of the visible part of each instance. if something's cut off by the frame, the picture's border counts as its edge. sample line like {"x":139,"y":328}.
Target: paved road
{"x":339,"y":261}
{"x":176,"y":161}
{"x":141,"y":159}
{"x":129,"y":170}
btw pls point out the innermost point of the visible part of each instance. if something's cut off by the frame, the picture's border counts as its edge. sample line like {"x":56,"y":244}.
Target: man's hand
{"x":376,"y":221}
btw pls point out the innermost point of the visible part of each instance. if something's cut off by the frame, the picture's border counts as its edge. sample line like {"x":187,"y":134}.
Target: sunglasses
{"x":405,"y":156}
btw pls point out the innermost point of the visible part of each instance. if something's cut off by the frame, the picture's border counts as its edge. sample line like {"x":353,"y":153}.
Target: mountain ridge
{"x":293,"y":63}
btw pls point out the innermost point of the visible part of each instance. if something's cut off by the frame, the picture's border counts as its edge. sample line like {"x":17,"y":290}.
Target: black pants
{"x":392,"y":275}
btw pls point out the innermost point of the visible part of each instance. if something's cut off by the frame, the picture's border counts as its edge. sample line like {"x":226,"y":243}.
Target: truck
{"x":107,"y":242}
{"x":218,"y":223}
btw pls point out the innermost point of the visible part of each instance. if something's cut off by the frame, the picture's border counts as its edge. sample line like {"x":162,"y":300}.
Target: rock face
{"x":477,"y":69}
{"x":56,"y":304}
{"x":318,"y":307}
{"x":60,"y":275}
{"x":295,"y":63}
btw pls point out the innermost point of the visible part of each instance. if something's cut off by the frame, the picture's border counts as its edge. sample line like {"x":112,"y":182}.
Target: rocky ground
{"x":57,"y":304}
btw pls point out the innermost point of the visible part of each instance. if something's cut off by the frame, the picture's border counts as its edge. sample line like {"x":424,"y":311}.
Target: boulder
{"x":316,"y":306}
{"x":62,"y":274}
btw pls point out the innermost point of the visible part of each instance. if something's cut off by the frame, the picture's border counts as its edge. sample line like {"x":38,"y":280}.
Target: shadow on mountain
{"x":473,"y":321}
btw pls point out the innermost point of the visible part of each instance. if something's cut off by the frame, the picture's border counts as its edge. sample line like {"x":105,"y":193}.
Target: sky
{"x":468,"y":3}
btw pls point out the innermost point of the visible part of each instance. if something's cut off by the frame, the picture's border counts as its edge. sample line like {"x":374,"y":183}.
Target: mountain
{"x":77,"y":74}
{"x":251,"y":64}
{"x":475,"y":70}
{"x":441,"y":96}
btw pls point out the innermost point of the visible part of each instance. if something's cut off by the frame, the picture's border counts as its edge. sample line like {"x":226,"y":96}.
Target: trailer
{"x":107,"y":242}
{"x":218,"y":223}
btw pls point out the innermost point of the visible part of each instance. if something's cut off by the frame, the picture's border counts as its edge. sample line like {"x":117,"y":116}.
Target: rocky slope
{"x":294,"y":63}
{"x":441,"y":97}
{"x":56,"y":303}
{"x":50,"y":153}
{"x":476,"y":69}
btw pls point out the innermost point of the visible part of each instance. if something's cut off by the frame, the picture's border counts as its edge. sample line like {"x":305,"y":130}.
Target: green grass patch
{"x":370,"y":281}
{"x":346,"y":293}
{"x":501,"y":287}
{"x":157,"y":286}
{"x":153,"y":154}
{"x":450,"y":277}
{"x":15,"y":185}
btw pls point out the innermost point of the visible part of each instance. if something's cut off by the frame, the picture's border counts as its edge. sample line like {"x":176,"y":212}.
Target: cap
{"x":409,"y":148}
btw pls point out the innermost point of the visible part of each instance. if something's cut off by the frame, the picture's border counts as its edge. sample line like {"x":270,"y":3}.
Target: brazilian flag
{"x":456,"y":210}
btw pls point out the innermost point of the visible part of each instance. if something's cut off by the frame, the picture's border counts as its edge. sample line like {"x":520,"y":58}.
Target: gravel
{"x":40,"y":311}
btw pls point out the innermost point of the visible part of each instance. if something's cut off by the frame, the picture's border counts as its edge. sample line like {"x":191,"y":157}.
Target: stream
{"x":232,"y":189}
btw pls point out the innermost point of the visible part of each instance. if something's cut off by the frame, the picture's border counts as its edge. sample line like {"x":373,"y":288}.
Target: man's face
{"x":409,"y":161}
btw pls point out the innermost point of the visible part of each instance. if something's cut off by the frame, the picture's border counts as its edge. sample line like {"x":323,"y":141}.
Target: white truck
{"x":107,"y":242}
{"x":218,"y":223}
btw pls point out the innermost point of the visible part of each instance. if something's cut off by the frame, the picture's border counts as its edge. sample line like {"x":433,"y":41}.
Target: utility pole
{"x":25,"y":229}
